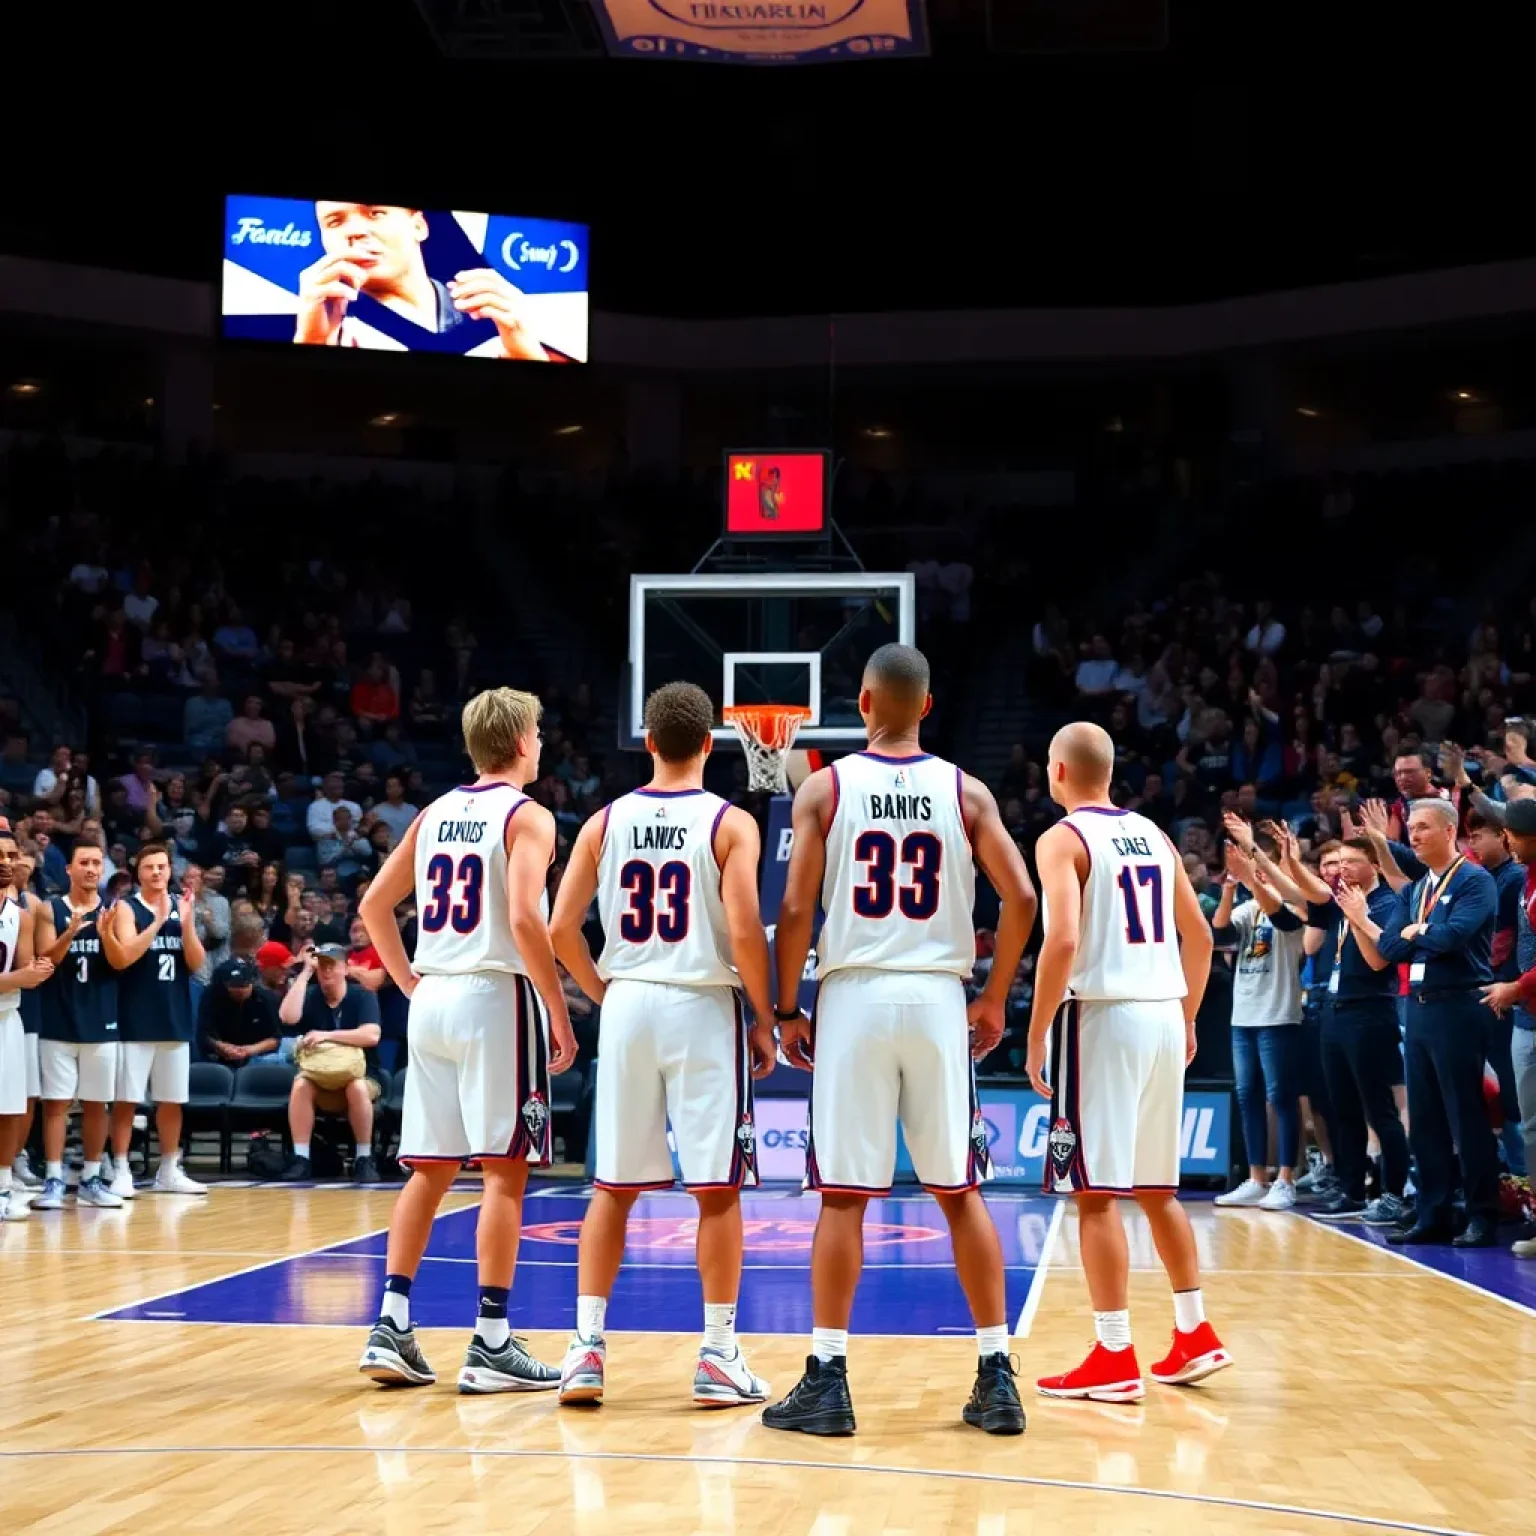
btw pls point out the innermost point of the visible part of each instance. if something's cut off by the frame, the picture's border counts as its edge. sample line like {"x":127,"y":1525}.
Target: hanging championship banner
{"x":764,"y":31}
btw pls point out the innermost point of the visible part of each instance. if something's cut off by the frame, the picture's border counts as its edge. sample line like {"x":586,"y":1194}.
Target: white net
{"x":767,"y":733}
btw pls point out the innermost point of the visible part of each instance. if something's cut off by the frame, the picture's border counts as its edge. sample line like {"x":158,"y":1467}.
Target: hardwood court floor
{"x":1369,"y":1394}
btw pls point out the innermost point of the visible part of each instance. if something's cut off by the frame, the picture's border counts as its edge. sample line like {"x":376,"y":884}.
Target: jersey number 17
{"x":1142,"y":876}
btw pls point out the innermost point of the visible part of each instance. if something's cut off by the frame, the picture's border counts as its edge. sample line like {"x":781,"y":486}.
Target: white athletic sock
{"x":301,"y":1149}
{"x":87,"y":1171}
{"x":396,"y":1307}
{"x":362,"y":1150}
{"x":5,"y":1181}
{"x":1113,"y":1329}
{"x":829,"y":1343}
{"x":169,"y":1160}
{"x":992,"y":1341}
{"x":591,"y":1315}
{"x":55,"y":1170}
{"x":720,"y":1326}
{"x":1188,"y":1310}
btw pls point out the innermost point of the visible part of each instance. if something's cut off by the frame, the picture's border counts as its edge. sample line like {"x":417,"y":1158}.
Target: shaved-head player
{"x":887,"y":840}
{"x":1122,"y":969}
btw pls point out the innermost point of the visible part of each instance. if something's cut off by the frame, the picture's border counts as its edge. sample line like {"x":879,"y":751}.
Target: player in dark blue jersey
{"x":22,"y":869}
{"x":79,"y":1034}
{"x":158,"y":952}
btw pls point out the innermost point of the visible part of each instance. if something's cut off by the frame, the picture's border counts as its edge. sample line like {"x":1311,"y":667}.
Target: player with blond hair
{"x":488,"y":1028}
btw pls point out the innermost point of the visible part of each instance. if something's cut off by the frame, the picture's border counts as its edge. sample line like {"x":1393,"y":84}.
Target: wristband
{"x":786,"y":1016}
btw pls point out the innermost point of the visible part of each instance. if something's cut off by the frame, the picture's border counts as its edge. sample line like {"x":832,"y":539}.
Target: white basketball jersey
{"x":1128,"y":948}
{"x":900,"y":879}
{"x":658,"y":890}
{"x":10,"y":934}
{"x":464,"y":924}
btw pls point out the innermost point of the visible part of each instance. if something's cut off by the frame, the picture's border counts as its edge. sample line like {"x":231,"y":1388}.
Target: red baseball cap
{"x":272,"y":956}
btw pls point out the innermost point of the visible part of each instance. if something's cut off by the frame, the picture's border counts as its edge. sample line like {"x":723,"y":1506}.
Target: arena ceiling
{"x":1265,"y":147}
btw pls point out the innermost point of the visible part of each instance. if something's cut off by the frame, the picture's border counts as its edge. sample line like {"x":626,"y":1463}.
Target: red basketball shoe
{"x":1194,"y":1356}
{"x":1106,"y":1376}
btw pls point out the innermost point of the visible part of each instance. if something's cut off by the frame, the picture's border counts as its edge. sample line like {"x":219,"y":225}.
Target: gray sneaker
{"x":508,"y":1369}
{"x":393,"y":1358}
{"x":1387,"y":1211}
{"x":52,"y":1197}
{"x":95,"y":1192}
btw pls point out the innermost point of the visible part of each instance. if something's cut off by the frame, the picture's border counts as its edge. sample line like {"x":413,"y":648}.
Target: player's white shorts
{"x":675,"y":1054}
{"x":477,"y":1080}
{"x":153,"y":1071}
{"x":13,"y":1064}
{"x":1116,"y":1072}
{"x":34,"y":1066}
{"x":87,"y":1072}
{"x":889,"y":1045}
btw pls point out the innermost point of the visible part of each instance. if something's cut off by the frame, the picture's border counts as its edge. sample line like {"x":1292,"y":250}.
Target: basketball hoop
{"x":767,"y":733}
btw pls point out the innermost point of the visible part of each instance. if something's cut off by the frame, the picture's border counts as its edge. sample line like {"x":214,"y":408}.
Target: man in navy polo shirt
{"x":1359,"y":1038}
{"x":1441,"y":926}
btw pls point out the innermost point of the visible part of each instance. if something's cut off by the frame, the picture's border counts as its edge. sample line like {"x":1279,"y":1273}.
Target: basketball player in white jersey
{"x":887,"y":839}
{"x":20,"y":971}
{"x":674,"y":869}
{"x":1122,"y":968}
{"x":488,"y":1027}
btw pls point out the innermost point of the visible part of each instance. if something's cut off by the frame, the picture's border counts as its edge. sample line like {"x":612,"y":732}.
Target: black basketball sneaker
{"x":819,"y":1403}
{"x":508,"y":1369}
{"x":994,"y":1404}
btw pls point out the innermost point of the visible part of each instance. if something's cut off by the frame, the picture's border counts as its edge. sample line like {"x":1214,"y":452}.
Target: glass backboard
{"x":765,"y":639}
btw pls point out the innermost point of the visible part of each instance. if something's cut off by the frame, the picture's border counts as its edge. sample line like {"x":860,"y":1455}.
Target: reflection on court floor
{"x":909,"y":1284}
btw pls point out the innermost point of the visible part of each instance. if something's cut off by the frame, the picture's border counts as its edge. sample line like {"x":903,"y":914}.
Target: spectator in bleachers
{"x":140,"y":790}
{"x":210,"y":913}
{"x":207,"y":715}
{"x":394,"y":811}
{"x":236,"y":1019}
{"x":328,"y":1009}
{"x":250,"y":728}
{"x":235,"y":640}
{"x":320,"y":818}
{"x":375,"y":698}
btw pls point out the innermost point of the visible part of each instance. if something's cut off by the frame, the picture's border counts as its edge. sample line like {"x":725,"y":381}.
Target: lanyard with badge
{"x":1338,"y":957}
{"x":1432,"y":888}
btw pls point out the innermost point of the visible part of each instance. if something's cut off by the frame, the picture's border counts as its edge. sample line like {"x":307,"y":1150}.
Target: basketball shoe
{"x":1194,"y":1356}
{"x":723,"y":1381}
{"x":508,"y":1369}
{"x":581,"y":1372}
{"x":819,"y":1403}
{"x":1106,"y":1376}
{"x":393,"y":1358}
{"x":994,"y":1404}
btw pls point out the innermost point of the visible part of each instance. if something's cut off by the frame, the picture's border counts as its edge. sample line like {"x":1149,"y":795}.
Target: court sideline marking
{"x":1042,"y":1269}
{"x":1428,"y":1269}
{"x":1010,"y":1479}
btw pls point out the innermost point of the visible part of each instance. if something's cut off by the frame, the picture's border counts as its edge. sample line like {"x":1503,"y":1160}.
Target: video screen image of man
{"x":379,"y":250}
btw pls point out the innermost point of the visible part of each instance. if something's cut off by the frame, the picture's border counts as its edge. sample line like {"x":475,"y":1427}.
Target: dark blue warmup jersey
{"x":154,"y":995}
{"x":79,"y":1001}
{"x":31,"y":999}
